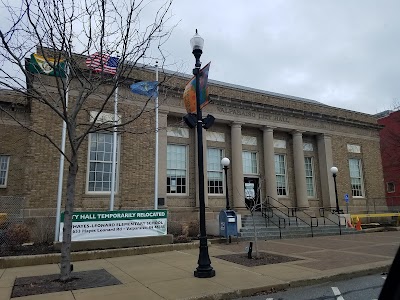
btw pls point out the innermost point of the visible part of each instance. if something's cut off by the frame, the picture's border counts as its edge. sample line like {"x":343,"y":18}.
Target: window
{"x":280,"y":171}
{"x":176,"y":169}
{"x":390,"y":187}
{"x":309,"y":176}
{"x":4,"y":161}
{"x":100,"y":163}
{"x":214,"y":171}
{"x":249,"y":162}
{"x":356,"y":177}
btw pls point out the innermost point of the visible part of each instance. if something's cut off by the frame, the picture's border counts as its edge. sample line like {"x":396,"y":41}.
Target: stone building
{"x":279,"y":146}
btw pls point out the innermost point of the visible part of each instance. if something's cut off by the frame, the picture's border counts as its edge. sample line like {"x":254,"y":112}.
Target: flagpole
{"x":156,"y":158}
{"x":114,"y":153}
{"x":61,"y":165}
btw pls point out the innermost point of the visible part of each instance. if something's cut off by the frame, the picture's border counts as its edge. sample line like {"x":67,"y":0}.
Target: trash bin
{"x":228,"y":223}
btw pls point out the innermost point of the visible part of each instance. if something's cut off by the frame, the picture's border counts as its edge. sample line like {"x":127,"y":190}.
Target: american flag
{"x":102,"y":63}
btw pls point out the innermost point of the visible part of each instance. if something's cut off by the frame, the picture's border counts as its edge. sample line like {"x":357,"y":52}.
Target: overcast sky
{"x":344,"y":53}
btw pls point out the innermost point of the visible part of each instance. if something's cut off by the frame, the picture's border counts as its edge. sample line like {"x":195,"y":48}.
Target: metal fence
{"x":378,"y":205}
{"x":11,"y":213}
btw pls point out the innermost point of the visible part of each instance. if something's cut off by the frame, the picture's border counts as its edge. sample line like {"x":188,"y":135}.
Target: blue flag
{"x":145,"y":88}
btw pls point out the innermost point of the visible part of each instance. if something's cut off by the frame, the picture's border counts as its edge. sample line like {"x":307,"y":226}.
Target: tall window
{"x":309,"y":176}
{"x":214,"y":171}
{"x":176,"y":169}
{"x":4,"y":160}
{"x":100,"y":162}
{"x":356,"y":177}
{"x":249,"y":162}
{"x":280,"y":171}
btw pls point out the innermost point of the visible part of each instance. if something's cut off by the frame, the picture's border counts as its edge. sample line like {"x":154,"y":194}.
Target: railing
{"x":330,"y":210}
{"x":292,"y":212}
{"x":392,"y":203}
{"x":265,"y":212}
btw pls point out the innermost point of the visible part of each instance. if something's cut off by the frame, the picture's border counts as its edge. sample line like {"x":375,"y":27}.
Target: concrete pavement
{"x":169,"y":275}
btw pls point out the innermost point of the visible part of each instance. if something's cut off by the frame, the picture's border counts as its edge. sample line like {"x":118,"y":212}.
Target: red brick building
{"x":390,"y":145}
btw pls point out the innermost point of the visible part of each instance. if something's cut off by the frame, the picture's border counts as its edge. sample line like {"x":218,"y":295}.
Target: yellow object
{"x":356,"y":218}
{"x":3,"y":218}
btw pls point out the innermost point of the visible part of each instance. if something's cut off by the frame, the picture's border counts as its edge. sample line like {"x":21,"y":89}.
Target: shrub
{"x":193,"y":228}
{"x":181,"y":239}
{"x":17,"y":234}
{"x":175,"y":228}
{"x":42,"y":229}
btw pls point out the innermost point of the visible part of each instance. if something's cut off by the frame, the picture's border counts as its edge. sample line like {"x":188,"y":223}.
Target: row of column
{"x":325,"y":163}
{"x":324,"y":155}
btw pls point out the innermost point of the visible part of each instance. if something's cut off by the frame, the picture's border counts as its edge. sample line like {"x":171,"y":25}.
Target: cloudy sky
{"x":344,"y":53}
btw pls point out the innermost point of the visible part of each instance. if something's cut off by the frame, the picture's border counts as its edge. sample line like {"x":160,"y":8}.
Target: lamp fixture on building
{"x":204,"y":268}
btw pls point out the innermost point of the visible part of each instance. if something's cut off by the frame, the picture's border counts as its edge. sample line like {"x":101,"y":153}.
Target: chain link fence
{"x":11,"y":217}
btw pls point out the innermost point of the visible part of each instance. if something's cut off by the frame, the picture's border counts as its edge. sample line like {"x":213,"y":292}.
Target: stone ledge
{"x":54,"y":258}
{"x":118,"y":243}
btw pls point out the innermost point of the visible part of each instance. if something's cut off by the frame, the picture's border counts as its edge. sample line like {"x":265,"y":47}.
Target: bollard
{"x":250,"y":251}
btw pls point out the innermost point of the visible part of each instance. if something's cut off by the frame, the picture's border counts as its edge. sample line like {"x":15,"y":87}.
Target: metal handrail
{"x":267,"y":217}
{"x":331,"y":210}
{"x":291,"y":211}
{"x":294,"y":211}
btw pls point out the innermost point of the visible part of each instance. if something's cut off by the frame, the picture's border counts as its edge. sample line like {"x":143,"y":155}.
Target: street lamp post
{"x":204,"y":268}
{"x":334,"y":170}
{"x":225,"y":163}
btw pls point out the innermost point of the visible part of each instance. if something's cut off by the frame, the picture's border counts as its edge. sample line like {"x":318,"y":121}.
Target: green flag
{"x":47,"y":66}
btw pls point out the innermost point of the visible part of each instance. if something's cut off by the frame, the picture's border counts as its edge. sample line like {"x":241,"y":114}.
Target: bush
{"x":181,"y":239}
{"x":175,"y":228}
{"x":17,"y":234}
{"x":193,"y":228}
{"x":42,"y":229}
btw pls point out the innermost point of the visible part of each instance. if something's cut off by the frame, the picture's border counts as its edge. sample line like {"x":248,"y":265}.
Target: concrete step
{"x":274,"y":235}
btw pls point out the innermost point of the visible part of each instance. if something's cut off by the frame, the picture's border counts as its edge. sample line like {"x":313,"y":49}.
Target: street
{"x":365,"y":288}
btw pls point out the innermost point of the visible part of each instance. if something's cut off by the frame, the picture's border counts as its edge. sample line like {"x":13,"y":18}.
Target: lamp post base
{"x":204,"y":268}
{"x":204,"y":273}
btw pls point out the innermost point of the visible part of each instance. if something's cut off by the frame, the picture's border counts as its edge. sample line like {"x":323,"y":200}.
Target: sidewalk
{"x":169,"y":275}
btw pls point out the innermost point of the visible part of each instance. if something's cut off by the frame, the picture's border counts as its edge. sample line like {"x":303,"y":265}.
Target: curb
{"x":55,"y":258}
{"x":292,"y":284}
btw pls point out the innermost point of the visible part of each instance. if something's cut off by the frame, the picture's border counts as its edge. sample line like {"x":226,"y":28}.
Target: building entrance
{"x":251,"y":191}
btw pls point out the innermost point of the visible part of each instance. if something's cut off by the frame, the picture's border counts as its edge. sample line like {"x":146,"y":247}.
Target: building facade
{"x":390,"y":143}
{"x":280,"y":147}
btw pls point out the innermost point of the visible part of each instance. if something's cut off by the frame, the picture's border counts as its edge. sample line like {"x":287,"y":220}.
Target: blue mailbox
{"x":227,"y":223}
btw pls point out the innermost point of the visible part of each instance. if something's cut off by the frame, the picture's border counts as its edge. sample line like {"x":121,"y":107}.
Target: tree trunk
{"x":255,"y":232}
{"x":69,"y":209}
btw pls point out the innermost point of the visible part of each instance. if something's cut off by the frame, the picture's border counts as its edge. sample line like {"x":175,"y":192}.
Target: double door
{"x":251,"y":192}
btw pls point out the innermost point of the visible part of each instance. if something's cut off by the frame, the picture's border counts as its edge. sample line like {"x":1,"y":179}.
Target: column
{"x":205,"y":169}
{"x":269,"y":163}
{"x":325,"y":159}
{"x":162,"y":155}
{"x":299,"y":170}
{"x":237,"y":166}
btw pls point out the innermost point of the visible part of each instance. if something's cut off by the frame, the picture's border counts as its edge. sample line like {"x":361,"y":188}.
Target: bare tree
{"x":68,"y":32}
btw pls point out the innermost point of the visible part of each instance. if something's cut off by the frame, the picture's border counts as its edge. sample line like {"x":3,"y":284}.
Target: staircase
{"x":278,"y":226}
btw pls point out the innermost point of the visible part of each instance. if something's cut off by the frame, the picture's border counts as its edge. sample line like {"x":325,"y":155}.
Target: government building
{"x":280,"y":146}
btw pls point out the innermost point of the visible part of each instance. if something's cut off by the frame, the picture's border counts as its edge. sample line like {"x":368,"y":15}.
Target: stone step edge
{"x":55,"y":258}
